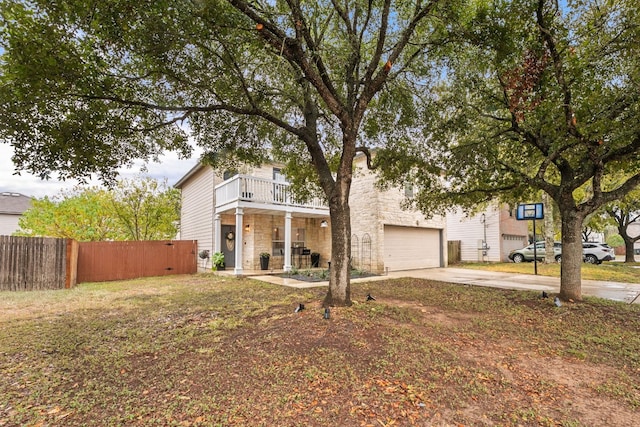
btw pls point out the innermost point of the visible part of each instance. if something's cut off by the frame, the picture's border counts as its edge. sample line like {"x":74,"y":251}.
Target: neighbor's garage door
{"x":407,"y":248}
{"x":511,"y":242}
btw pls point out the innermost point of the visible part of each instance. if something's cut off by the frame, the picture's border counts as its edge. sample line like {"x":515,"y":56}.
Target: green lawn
{"x":610,"y":271}
{"x":206,"y":350}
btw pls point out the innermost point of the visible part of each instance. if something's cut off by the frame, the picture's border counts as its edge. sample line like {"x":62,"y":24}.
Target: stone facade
{"x":371,"y":210}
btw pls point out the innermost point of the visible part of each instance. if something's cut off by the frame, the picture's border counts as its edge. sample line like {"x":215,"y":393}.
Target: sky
{"x":171,"y":167}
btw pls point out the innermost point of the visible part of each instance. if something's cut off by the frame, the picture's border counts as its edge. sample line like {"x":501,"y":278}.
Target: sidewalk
{"x":616,"y":291}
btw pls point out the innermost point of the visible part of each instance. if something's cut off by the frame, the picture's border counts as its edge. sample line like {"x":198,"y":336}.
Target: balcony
{"x":247,"y":191}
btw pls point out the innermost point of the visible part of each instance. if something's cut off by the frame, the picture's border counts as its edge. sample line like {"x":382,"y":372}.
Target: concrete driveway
{"x":610,"y":290}
{"x":616,"y":291}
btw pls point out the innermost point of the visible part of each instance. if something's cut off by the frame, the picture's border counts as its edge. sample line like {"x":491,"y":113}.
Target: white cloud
{"x":170,"y":167}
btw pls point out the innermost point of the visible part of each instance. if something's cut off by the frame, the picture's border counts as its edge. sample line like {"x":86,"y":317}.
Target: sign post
{"x":532,"y":211}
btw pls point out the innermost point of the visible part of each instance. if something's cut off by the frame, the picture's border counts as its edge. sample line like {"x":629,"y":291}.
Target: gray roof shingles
{"x":14,"y":203}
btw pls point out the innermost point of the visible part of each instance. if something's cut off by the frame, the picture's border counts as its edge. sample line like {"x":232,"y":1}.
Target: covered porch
{"x":255,"y":216}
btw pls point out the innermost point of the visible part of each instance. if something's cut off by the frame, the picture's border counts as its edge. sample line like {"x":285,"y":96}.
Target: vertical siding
{"x":196,"y":216}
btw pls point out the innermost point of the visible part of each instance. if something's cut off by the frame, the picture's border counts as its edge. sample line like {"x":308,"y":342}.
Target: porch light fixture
{"x":247,"y":227}
{"x":324,"y":223}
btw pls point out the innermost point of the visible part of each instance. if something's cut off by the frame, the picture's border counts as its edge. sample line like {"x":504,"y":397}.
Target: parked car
{"x":595,"y":253}
{"x":526,"y":253}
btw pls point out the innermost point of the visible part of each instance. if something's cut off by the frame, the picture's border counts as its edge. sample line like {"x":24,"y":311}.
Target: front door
{"x":228,"y":245}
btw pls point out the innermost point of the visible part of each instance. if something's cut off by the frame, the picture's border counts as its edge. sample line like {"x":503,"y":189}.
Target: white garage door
{"x":407,"y":248}
{"x":511,"y":242}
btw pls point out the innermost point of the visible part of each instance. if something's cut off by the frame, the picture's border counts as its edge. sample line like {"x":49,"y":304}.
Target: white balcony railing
{"x":266,"y":191}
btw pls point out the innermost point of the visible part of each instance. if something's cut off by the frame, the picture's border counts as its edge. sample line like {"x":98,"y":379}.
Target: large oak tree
{"x":539,"y":98}
{"x":89,"y":85}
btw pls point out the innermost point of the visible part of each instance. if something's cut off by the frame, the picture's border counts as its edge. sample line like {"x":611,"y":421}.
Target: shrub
{"x":217,"y":261}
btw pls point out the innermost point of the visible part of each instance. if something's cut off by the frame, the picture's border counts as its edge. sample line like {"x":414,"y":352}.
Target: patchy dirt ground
{"x":236,"y":354}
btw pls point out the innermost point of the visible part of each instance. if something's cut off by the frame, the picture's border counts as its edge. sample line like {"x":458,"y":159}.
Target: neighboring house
{"x":256,"y":205}
{"x":12,"y":206}
{"x":497,"y":229}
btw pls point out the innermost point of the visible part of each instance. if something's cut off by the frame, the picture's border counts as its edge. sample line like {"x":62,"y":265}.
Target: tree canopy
{"x":309,"y":83}
{"x":80,"y":214}
{"x":538,"y":98}
{"x":140,"y":209}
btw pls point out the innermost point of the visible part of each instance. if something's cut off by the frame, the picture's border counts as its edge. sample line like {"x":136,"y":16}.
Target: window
{"x":297,"y":239}
{"x":277,"y":241}
{"x":408,"y":190}
{"x":229,"y":174}
{"x":278,"y":175}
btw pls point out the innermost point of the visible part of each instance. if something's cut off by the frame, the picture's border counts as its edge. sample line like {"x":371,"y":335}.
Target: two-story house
{"x":245,"y":213}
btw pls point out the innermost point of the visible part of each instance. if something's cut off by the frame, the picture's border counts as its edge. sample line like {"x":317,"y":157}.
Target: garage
{"x":510,"y":243}
{"x":407,"y":248}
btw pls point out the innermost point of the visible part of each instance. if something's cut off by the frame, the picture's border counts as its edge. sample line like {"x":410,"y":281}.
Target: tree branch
{"x":367,"y":153}
{"x":295,"y":54}
{"x":256,"y":112}
{"x":558,"y":68}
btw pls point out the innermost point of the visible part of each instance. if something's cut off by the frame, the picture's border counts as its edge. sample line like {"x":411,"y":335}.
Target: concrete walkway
{"x":616,"y":291}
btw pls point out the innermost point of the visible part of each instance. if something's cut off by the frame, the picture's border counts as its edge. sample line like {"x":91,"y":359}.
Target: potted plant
{"x":264,"y":260}
{"x":217,"y":261}
{"x":315,"y":259}
{"x":204,"y":256}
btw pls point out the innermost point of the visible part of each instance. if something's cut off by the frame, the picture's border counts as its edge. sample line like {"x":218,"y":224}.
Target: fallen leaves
{"x":193,"y":362}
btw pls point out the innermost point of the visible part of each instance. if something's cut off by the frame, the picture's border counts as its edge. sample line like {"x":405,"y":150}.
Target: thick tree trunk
{"x":628,"y":248}
{"x":339,"y":293}
{"x":571,"y":268}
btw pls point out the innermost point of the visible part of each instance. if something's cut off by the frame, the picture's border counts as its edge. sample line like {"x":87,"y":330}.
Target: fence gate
{"x":106,"y":261}
{"x":454,"y":253}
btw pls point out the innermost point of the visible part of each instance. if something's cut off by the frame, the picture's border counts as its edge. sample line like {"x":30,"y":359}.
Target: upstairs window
{"x":408,"y":190}
{"x":229,"y":174}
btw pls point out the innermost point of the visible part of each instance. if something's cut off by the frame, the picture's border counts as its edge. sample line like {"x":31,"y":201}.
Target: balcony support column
{"x":287,"y":241}
{"x":237,"y":270}
{"x":217,"y":233}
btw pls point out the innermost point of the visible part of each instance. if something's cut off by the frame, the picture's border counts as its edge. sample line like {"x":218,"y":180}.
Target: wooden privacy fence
{"x":105,"y":261}
{"x":454,"y":251}
{"x":35,"y":263}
